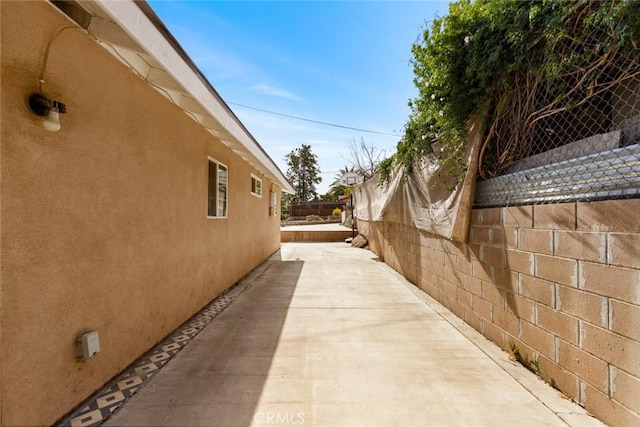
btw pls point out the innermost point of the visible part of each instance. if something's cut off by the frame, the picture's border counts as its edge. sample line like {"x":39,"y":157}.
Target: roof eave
{"x":133,"y":33}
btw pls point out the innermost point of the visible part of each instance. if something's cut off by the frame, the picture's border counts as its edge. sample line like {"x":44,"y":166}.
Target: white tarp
{"x":421,"y":200}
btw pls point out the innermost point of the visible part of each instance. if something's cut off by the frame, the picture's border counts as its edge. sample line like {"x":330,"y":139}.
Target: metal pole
{"x":353,"y":232}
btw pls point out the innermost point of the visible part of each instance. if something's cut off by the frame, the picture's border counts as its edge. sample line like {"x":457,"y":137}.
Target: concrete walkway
{"x":326,"y":335}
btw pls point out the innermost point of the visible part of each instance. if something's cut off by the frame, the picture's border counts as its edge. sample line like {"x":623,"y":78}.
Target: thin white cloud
{"x":275,"y":91}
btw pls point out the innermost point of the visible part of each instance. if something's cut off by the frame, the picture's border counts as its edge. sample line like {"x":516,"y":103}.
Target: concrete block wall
{"x":561,"y":281}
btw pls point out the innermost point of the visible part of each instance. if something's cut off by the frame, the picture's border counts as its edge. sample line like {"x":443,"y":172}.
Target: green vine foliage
{"x":470,"y":61}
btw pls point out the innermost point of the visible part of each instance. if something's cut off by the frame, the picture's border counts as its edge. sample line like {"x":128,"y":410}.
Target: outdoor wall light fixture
{"x":49,"y":108}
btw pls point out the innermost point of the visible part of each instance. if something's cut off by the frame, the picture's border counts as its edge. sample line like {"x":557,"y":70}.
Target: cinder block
{"x":504,"y":278}
{"x":480,"y":235}
{"x":506,"y":321}
{"x":615,"y":282}
{"x":610,"y":215}
{"x":443,"y":298}
{"x":625,"y":389}
{"x":430,"y":289}
{"x":450,"y":260}
{"x":624,"y":250}
{"x":497,"y":236}
{"x":492,"y":294}
{"x":473,"y":319}
{"x":425,"y":262}
{"x":447,"y":273}
{"x":473,"y":285}
{"x":465,"y":298}
{"x":521,"y":307}
{"x":473,"y":252}
{"x":458,"y":277}
{"x":559,"y":378}
{"x":520,"y":261}
{"x":459,"y":249}
{"x":537,"y":289}
{"x":511,"y":238}
{"x":608,"y":410}
{"x":437,"y":256}
{"x":586,"y":366}
{"x":620,"y":352}
{"x":625,"y":319}
{"x":457,"y":308}
{"x":483,"y":308}
{"x":493,"y":333}
{"x":427,"y":278}
{"x":558,"y":323}
{"x":557,"y":216}
{"x":425,"y":239}
{"x":538,"y":241}
{"x":430,"y":274}
{"x":463,"y":265}
{"x":492,"y":216}
{"x":444,"y":244}
{"x":482,"y":271}
{"x":518,"y":216}
{"x":492,"y":256}
{"x":581,"y":245}
{"x":439,"y":269}
{"x":589,"y":307}
{"x":450,"y":289}
{"x":558,"y":270}
{"x":539,"y":339}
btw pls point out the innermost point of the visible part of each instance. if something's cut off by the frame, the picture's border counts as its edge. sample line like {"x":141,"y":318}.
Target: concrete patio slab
{"x":327,"y":335}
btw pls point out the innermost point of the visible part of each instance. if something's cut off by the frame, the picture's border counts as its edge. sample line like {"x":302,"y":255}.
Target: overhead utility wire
{"x":312,"y":121}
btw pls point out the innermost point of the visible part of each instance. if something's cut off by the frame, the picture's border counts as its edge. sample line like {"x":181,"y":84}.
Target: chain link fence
{"x":573,"y":133}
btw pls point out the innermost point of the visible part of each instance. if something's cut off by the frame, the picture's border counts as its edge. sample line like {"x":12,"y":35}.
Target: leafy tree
{"x":303,"y":173}
{"x":515,"y":63}
{"x":328,"y":197}
{"x":285,"y":201}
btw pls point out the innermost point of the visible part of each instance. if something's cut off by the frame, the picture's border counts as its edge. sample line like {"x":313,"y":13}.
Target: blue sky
{"x":340,"y":62}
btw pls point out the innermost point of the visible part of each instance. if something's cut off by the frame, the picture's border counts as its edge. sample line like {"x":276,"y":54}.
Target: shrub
{"x":513,"y":62}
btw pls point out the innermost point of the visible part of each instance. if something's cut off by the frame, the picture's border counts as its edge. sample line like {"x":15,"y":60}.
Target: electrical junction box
{"x":273,"y":200}
{"x":88,"y":344}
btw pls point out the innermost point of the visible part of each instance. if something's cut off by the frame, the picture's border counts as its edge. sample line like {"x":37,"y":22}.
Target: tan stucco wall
{"x":103,"y":223}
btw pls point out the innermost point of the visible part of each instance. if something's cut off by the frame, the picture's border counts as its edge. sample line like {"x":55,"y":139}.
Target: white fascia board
{"x":138,"y":26}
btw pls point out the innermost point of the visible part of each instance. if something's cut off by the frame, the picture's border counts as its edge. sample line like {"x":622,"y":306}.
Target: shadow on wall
{"x":499,"y":286}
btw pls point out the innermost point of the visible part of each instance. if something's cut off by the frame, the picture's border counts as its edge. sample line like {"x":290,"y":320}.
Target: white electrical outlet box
{"x":88,"y":344}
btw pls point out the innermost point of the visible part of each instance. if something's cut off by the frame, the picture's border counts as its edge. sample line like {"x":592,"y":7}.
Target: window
{"x":256,"y":186}
{"x":218,"y":192}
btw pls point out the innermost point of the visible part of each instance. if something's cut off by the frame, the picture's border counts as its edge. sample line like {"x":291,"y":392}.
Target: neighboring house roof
{"x":134,"y":34}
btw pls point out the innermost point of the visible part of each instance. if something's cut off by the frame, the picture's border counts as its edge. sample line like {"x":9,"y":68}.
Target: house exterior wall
{"x":104,"y":223}
{"x":560,"y":281}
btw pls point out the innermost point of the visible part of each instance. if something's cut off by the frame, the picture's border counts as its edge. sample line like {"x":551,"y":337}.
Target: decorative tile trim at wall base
{"x":99,"y":407}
